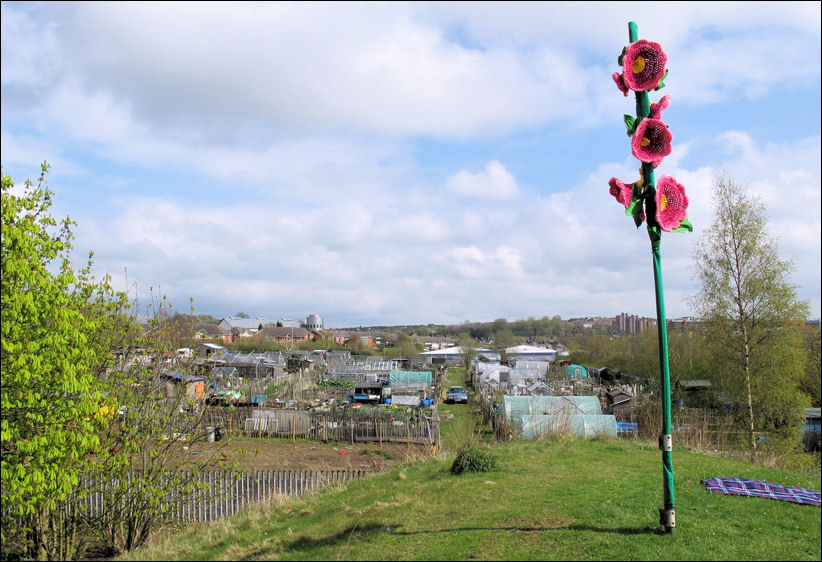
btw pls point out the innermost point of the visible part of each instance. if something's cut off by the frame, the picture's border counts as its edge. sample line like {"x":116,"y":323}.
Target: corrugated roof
{"x":182,"y":377}
{"x":246,"y":323}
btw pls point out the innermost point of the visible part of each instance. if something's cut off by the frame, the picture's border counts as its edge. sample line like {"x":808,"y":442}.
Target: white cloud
{"x":282,"y":151}
{"x":494,"y":183}
{"x":136,"y":70}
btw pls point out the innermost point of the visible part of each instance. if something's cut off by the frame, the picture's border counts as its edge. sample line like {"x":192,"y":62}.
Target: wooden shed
{"x":619,"y":404}
{"x":193,"y":386}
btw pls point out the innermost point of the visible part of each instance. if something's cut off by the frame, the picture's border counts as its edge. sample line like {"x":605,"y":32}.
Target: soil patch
{"x":268,"y":454}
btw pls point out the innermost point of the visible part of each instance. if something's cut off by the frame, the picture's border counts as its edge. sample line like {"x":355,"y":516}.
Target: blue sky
{"x":404,"y":163}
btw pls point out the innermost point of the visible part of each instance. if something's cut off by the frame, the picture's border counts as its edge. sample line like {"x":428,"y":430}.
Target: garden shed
{"x":619,"y":404}
{"x":193,"y":386}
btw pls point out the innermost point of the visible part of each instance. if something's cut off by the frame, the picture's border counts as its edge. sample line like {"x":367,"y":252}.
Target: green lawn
{"x":559,"y":499}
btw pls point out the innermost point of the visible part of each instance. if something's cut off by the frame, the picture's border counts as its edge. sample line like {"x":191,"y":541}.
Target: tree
{"x":406,"y":347}
{"x":468,"y":346}
{"x":503,"y":339}
{"x":812,"y":382}
{"x":140,"y":466}
{"x":75,"y":405}
{"x":752,"y":313}
{"x":53,"y":411}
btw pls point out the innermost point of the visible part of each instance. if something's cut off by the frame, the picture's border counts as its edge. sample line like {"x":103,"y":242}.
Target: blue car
{"x":457,"y":394}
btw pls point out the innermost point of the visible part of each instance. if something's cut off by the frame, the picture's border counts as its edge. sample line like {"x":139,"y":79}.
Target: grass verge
{"x":554,"y":499}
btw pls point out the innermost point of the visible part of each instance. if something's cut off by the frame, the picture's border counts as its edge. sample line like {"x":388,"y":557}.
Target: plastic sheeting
{"x":536,"y":426}
{"x":515,"y":407}
{"x":411,"y":376}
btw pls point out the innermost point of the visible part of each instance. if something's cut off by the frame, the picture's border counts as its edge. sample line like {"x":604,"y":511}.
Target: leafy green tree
{"x":503,"y":339}
{"x":753,"y":315}
{"x":469,"y":350}
{"x":812,"y":382}
{"x":406,"y":347}
{"x":53,"y":411}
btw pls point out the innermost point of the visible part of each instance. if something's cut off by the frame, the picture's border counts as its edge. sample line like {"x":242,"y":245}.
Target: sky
{"x":404,"y":163}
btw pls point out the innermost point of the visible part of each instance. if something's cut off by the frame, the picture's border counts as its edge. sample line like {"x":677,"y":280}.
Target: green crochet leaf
{"x":635,"y":210}
{"x":631,"y":123}
{"x":619,"y":60}
{"x":662,"y":81}
{"x":684,"y":226}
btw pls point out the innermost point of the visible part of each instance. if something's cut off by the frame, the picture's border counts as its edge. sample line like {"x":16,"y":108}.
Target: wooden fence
{"x":342,"y":426}
{"x":335,"y":425}
{"x":225,"y":493}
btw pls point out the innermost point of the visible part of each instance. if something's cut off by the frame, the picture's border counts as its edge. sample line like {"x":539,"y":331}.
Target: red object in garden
{"x":651,"y":142}
{"x":643,"y":65}
{"x":671,"y":203}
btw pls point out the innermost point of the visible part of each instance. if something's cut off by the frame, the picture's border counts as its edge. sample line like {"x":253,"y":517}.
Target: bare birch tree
{"x":752,"y":312}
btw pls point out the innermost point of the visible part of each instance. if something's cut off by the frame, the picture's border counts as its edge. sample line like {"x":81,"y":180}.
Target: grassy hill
{"x":556,"y":499}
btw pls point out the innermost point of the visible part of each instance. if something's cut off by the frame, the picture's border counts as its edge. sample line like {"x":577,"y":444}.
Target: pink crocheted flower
{"x":620,"y":82}
{"x":651,"y":141}
{"x":656,"y":108}
{"x":671,"y":203}
{"x":622,"y":192}
{"x":643,"y":65}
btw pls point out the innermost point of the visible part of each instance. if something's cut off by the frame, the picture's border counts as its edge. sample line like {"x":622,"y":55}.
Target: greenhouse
{"x":403,"y":377}
{"x":576,"y":372}
{"x":537,"y":416}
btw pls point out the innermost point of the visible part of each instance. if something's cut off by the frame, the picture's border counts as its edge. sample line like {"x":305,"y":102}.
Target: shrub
{"x":474,"y":459}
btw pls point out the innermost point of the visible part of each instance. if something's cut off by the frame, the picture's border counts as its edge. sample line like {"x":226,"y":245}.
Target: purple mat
{"x":758,"y":488}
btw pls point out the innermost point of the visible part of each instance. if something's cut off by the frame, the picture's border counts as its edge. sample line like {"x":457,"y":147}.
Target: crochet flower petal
{"x":651,"y":142}
{"x":643,"y":65}
{"x":656,"y":108}
{"x":671,"y":203}
{"x":620,"y":82}
{"x":622,"y":192}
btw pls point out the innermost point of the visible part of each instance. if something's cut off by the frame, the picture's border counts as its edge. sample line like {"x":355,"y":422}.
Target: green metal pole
{"x":667,"y":515}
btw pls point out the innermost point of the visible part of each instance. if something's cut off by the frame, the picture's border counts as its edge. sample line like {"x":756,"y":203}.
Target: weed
{"x":474,"y":459}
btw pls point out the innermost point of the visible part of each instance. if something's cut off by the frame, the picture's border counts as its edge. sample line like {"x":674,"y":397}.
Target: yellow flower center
{"x":645,"y":141}
{"x":663,"y":202}
{"x":639,"y":65}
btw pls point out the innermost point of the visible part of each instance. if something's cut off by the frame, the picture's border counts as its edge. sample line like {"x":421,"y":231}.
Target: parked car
{"x":457,"y":394}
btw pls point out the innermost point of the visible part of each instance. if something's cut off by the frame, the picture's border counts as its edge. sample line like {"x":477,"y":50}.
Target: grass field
{"x":555,"y":499}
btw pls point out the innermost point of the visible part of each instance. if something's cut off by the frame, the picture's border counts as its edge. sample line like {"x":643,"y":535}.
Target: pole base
{"x":667,"y":518}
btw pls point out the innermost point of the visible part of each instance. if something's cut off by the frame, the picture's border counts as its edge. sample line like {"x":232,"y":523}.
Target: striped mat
{"x":758,"y":488}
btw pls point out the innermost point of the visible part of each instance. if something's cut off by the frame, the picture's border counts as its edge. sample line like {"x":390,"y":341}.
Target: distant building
{"x":282,"y":334}
{"x":632,"y":324}
{"x":684,"y":322}
{"x":210,"y":332}
{"x":236,"y":326}
{"x":314,"y":322}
